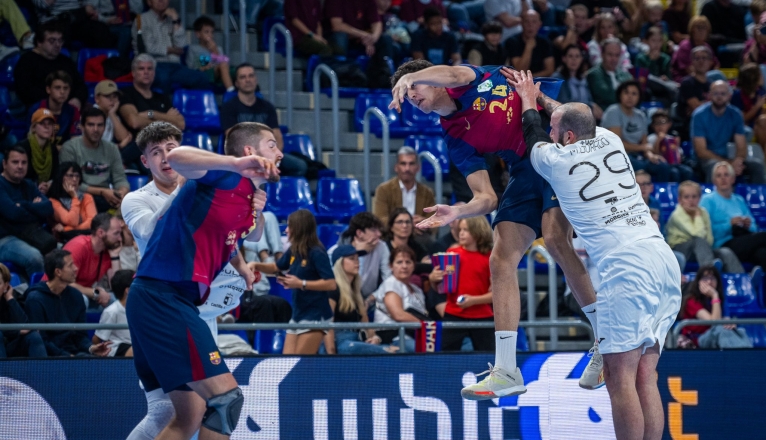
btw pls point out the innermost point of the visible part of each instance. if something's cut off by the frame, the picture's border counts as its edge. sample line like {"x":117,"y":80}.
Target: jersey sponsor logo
{"x":480,"y":104}
{"x":485,"y":86}
{"x":215,"y":358}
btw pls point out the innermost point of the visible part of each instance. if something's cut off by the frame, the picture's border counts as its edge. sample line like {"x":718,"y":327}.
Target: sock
{"x":505,"y":350}
{"x":590,"y":313}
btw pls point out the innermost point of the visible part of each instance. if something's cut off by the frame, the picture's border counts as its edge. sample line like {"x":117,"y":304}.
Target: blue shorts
{"x":172,"y":345}
{"x":526,"y":198}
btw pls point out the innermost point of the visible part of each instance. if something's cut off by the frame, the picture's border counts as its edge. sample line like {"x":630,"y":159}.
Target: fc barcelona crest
{"x":215,"y":358}
{"x":479,"y":104}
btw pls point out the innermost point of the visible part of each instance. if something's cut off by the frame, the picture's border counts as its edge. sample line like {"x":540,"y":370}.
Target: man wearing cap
{"x":107,"y":97}
{"x":42,"y":153}
{"x":58,"y":85}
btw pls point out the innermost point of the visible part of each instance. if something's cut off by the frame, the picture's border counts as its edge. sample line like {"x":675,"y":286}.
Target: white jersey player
{"x":640,"y":293}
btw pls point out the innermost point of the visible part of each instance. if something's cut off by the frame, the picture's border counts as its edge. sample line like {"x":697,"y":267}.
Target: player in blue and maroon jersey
{"x":481,"y":113}
{"x":194,"y":239}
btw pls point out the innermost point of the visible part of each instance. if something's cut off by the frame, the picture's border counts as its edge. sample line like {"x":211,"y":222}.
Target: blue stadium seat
{"x":199,"y":140}
{"x":756,"y":333}
{"x":199,"y":109}
{"x":743,"y":296}
{"x":268,"y":22}
{"x":15,"y":279}
{"x":338,"y":199}
{"x":418,"y":121}
{"x":381,"y":101}
{"x":136,"y":181}
{"x":5,"y":101}
{"x":35,"y":278}
{"x":299,"y":143}
{"x":289,"y":195}
{"x":7,"y":65}
{"x":228,"y":96}
{"x":269,"y":341}
{"x":436,"y":146}
{"x":343,"y":92}
{"x":329,"y":233}
{"x":667,"y":195}
{"x":522,"y":344}
{"x":755,"y":197}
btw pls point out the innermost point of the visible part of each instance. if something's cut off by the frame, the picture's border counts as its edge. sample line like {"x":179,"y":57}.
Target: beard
{"x":110,"y":245}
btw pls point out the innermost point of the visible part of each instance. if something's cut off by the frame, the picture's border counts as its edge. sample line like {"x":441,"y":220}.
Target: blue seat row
{"x":754,"y":195}
{"x":434,"y":145}
{"x":410,"y":121}
{"x":743,"y":295}
{"x":338,"y":199}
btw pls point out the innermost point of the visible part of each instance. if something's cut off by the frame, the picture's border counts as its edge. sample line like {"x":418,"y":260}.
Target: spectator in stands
{"x":413,"y":12}
{"x":398,"y":300}
{"x":529,"y":51}
{"x":403,"y":190}
{"x":489,"y":52}
{"x":140,"y":105}
{"x":357,"y":25}
{"x":16,"y":343}
{"x":118,"y":15}
{"x":653,"y":10}
{"x":575,"y":87}
{"x":451,"y":237}
{"x":121,"y":345}
{"x":755,"y":47}
{"x":207,"y":56}
{"x":688,"y":231}
{"x":656,"y":61}
{"x":466,"y":14}
{"x":10,"y":12}
{"x":605,"y":78}
{"x":579,"y":29}
{"x":727,"y":21}
{"x":694,"y":88}
{"x":304,"y":20}
{"x":248,"y":107}
{"x":750,"y":96}
{"x":23,"y":241}
{"x":78,"y":22}
{"x":644,"y":181}
{"x":714,"y":125}
{"x":508,"y":13}
{"x":677,"y":17}
{"x":103,"y":173}
{"x":306,"y":270}
{"x":348,"y":306}
{"x":733,"y":224}
{"x":682,"y":63}
{"x":58,"y":84}
{"x":129,"y":253}
{"x":163,"y":37}
{"x":268,"y":249}
{"x":34,"y":66}
{"x":363,"y":233}
{"x":432,"y":43}
{"x":41,"y":149}
{"x":605,"y":27}
{"x":255,"y":9}
{"x":55,"y":301}
{"x":107,"y":97}
{"x":97,"y":257}
{"x":473,"y":299}
{"x":666,"y":142}
{"x":73,"y":209}
{"x":400,"y":232}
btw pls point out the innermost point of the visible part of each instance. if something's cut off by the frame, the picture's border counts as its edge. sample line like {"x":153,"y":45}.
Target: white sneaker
{"x":593,"y":376}
{"x":499,"y":383}
{"x":6,"y":50}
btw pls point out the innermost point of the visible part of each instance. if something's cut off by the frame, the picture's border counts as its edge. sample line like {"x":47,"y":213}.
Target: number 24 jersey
{"x":597,"y":191}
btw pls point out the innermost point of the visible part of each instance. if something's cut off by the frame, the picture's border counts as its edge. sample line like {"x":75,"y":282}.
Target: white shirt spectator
{"x":408,"y":197}
{"x":114,"y":314}
{"x":493,"y":8}
{"x":158,"y":35}
{"x":411,"y":299}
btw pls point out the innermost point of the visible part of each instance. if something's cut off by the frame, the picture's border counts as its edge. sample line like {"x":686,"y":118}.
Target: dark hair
{"x":564,"y":70}
{"x":360,"y":222}
{"x":56,"y":190}
{"x":409,"y":67}
{"x":749,"y":74}
{"x":157,"y":132}
{"x":401,"y":250}
{"x":491,"y":27}
{"x":50,"y":27}
{"x":392,"y":219}
{"x":242,"y":66}
{"x":203,"y":21}
{"x":431,"y":12}
{"x":581,"y":123}
{"x":693,"y":289}
{"x":303,"y":233}
{"x":242,"y":135}
{"x":624,"y":86}
{"x":16,"y":148}
{"x":654,"y":30}
{"x":58,"y":75}
{"x":54,"y":260}
{"x":121,"y":280}
{"x":660,"y":112}
{"x":101,"y":221}
{"x":92,"y":112}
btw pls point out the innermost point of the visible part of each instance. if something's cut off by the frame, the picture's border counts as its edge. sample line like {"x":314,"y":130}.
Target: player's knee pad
{"x":223,"y":412}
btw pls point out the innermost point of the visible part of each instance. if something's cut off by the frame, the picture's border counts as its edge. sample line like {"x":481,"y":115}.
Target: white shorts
{"x":640,"y":296}
{"x":305,"y":330}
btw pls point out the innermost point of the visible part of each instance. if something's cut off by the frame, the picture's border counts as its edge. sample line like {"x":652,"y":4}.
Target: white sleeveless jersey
{"x":597,"y":191}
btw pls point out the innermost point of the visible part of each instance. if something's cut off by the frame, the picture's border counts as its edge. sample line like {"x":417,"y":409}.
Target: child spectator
{"x":434,"y":44}
{"x":689,"y":231}
{"x":115,"y":314}
{"x":304,"y":20}
{"x":207,"y":56}
{"x":73,"y":209}
{"x":489,"y":52}
{"x":653,"y":10}
{"x":42,"y":152}
{"x":58,"y":84}
{"x":666,"y":142}
{"x":655,"y":60}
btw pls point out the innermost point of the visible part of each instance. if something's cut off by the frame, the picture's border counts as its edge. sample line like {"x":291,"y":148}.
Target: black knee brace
{"x":223,"y":412}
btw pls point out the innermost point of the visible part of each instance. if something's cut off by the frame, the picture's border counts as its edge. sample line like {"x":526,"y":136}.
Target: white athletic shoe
{"x":499,"y":383}
{"x":593,"y":376}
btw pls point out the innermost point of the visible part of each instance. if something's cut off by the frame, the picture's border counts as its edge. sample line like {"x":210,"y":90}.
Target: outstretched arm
{"x":483,"y":202}
{"x":194,"y":163}
{"x":435,"y":76}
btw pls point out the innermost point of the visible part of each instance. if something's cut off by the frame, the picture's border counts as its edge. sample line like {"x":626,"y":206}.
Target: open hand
{"x":443,"y":215}
{"x":524,"y":84}
{"x":399,"y":92}
{"x":290,"y":281}
{"x":102,"y":349}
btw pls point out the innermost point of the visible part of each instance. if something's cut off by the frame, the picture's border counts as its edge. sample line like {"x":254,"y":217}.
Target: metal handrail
{"x":325,"y":69}
{"x":687,"y":322}
{"x":279,"y":27}
{"x":384,"y":122}
{"x":242,"y":32}
{"x":552,"y":292}
{"x":401,"y":326}
{"x":430,"y":158}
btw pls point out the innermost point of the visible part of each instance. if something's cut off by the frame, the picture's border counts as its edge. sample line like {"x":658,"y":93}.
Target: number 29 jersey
{"x":597,"y":191}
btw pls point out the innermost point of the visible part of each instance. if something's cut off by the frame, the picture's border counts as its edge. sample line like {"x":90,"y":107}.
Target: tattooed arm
{"x":547,"y":103}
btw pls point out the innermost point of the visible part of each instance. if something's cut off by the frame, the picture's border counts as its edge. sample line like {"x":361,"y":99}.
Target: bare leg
{"x":308,"y":343}
{"x":210,"y":387}
{"x":511,"y":241}
{"x":225,"y":75}
{"x":289,"y":347}
{"x":557,"y":233}
{"x":189,"y":410}
{"x":649,"y":394}
{"x":620,"y":370}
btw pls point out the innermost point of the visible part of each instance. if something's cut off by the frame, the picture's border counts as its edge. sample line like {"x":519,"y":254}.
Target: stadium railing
{"x":374,"y":111}
{"x":438,"y":175}
{"x":325,"y":69}
{"x":552,"y":293}
{"x":278,"y":27}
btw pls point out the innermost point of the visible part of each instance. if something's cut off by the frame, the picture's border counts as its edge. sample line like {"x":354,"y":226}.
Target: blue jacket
{"x":721,"y":211}
{"x":18,"y":209}
{"x":44,"y":306}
